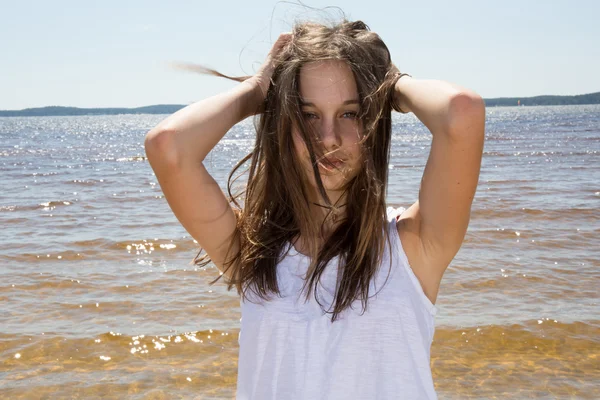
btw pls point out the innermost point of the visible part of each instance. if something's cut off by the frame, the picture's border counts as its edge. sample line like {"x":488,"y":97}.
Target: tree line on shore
{"x":591,"y":98}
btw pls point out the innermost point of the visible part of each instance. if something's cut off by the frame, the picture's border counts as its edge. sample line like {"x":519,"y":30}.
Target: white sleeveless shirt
{"x":290,"y":349}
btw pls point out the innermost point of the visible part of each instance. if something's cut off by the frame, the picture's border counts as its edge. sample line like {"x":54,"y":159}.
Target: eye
{"x":308,"y":115}
{"x":350,"y":114}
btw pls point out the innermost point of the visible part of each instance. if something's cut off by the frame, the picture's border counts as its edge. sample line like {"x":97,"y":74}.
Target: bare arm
{"x":177,"y":147}
{"x":456,"y":118}
{"x":429,"y":100}
{"x":192,"y":132}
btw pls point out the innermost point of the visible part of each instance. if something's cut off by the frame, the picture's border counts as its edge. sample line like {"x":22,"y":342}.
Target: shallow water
{"x":100,"y":298}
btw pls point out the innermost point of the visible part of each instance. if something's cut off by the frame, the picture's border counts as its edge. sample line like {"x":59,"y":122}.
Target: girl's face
{"x":330,"y":104}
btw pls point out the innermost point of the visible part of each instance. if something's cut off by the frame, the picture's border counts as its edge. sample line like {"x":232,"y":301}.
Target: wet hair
{"x":276,"y":208}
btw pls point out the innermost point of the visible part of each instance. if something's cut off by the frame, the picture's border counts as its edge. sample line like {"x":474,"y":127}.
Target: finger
{"x":285,"y":36}
{"x":282,"y":40}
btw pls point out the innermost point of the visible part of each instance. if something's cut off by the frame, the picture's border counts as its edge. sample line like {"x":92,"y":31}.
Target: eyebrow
{"x":309,"y":104}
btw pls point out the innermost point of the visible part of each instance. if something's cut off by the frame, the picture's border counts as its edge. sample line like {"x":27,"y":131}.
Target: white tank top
{"x":291,"y":350}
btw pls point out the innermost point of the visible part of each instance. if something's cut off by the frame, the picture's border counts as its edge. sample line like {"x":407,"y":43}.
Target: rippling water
{"x":100,"y":298}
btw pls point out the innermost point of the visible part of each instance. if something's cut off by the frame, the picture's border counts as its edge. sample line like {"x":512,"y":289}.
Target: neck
{"x":332,"y":214}
{"x":329,"y":217}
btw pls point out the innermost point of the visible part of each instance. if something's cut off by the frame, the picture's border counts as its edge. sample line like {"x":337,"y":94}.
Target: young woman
{"x":337,"y":289}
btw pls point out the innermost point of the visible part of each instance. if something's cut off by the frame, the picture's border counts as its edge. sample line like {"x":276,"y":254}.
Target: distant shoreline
{"x":592,"y":98}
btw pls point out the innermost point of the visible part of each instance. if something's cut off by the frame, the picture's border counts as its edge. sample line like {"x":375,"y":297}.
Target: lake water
{"x":99,"y":296}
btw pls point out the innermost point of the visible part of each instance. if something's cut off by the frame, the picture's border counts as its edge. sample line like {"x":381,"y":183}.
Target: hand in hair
{"x":262,"y":79}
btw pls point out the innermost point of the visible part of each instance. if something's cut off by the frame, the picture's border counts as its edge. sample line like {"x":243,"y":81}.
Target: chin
{"x":335,"y":179}
{"x":330,"y":181}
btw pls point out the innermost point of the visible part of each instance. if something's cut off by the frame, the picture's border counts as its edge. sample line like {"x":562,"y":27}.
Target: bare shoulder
{"x":409,"y":227}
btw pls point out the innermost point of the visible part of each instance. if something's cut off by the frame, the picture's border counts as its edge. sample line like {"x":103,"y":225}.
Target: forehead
{"x":327,"y":82}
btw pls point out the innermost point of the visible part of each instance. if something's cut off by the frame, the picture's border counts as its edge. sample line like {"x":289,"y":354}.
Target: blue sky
{"x":116,"y":53}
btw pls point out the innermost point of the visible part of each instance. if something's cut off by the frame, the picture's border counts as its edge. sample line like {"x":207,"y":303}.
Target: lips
{"x":333,"y":160}
{"x":336,"y":162}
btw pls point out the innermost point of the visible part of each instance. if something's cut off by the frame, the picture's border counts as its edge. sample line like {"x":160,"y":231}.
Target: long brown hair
{"x":276,"y":210}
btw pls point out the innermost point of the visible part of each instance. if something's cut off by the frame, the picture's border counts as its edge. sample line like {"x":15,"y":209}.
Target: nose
{"x":330,"y":133}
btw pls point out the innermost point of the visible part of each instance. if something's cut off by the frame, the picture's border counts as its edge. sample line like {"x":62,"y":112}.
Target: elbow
{"x":467,"y":114}
{"x":156,"y":138}
{"x":160,"y":147}
{"x":466,"y":103}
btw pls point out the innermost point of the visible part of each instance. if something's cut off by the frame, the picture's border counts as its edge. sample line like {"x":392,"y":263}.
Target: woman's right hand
{"x":262,"y":79}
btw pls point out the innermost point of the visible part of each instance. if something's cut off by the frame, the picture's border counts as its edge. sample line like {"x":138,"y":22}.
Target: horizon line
{"x":181,"y":104}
